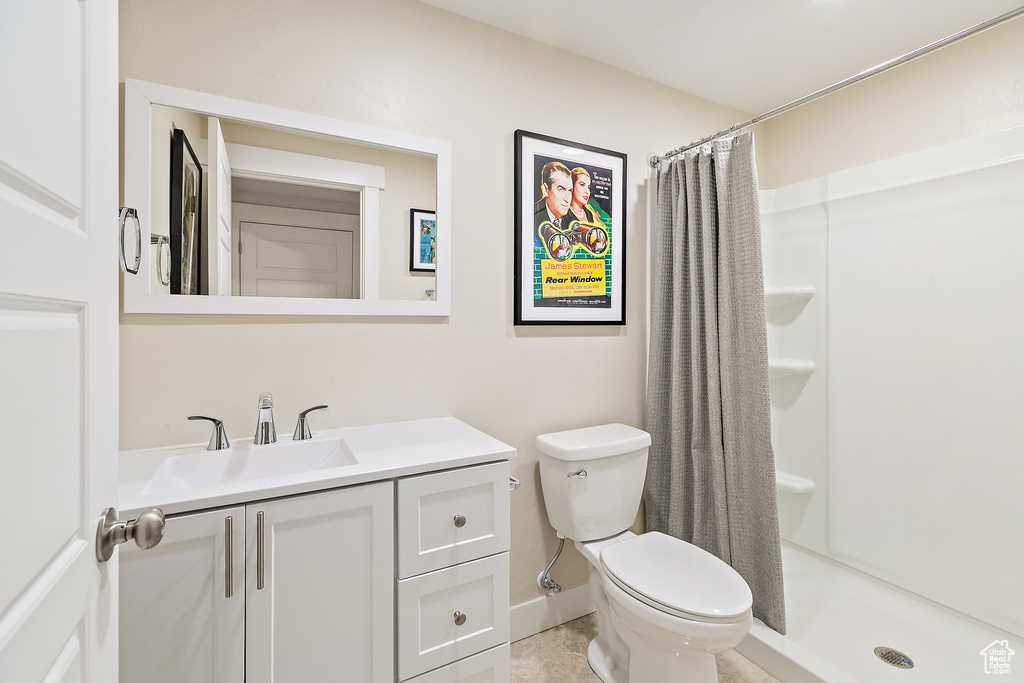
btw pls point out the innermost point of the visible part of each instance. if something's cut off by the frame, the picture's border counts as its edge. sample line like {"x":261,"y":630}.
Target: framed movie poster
{"x":423,"y":245}
{"x":186,"y":232}
{"x":570,"y":233}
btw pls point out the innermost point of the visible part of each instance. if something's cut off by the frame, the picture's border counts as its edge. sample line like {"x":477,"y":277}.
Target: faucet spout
{"x":265,"y":431}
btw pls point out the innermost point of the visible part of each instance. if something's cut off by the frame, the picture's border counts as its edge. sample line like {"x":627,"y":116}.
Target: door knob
{"x":460,"y":521}
{"x":146,"y":531}
{"x":460,"y":618}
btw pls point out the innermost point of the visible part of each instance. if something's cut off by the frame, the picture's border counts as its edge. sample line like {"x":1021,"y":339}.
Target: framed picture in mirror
{"x":185,"y":225}
{"x":423,"y":247}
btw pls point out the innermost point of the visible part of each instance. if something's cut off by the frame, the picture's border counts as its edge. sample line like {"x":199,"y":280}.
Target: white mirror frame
{"x":140,"y":96}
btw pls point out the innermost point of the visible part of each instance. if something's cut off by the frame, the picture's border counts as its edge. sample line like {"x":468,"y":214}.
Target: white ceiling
{"x":753,"y":55}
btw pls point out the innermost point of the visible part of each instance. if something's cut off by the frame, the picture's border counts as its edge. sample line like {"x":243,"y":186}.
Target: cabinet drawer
{"x":428,"y":636}
{"x":492,"y":666}
{"x":429,"y":535}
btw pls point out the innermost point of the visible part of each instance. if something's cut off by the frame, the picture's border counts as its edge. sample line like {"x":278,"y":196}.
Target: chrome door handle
{"x":513,"y":484}
{"x":147,"y":531}
{"x":460,"y":521}
{"x":124,"y":216}
{"x":161,"y":241}
{"x":582,"y":474}
{"x":460,"y":618}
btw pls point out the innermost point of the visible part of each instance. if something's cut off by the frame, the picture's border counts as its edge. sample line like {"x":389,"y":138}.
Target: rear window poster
{"x":570,"y":233}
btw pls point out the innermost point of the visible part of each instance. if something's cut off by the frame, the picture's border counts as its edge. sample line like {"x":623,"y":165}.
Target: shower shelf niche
{"x":791,"y":483}
{"x":790,"y":368}
{"x":781,"y":296}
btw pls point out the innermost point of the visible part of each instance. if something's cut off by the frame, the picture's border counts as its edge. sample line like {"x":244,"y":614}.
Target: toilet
{"x":665,"y":607}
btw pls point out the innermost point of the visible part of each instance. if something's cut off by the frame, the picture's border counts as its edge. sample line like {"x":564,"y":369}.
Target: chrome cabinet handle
{"x":460,"y":618}
{"x":219,"y":438}
{"x":228,"y":568}
{"x":582,"y":474}
{"x":302,"y":426}
{"x":259,"y":550}
{"x":513,"y":484}
{"x":147,"y":531}
{"x":161,"y":241}
{"x":460,"y":521}
{"x":128,"y":214}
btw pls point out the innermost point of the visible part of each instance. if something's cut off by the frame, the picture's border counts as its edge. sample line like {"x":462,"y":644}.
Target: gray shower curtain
{"x":711,"y":470}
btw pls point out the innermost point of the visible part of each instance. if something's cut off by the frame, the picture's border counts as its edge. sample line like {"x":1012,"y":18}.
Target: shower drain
{"x":894,"y":658}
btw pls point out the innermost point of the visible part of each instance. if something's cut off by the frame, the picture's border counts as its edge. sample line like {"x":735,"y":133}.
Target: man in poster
{"x":557,"y":196}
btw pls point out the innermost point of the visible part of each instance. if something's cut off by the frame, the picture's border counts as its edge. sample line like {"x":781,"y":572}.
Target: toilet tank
{"x":605,"y":501}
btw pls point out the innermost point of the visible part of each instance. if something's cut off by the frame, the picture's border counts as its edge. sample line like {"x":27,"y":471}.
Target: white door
{"x":218,"y":214}
{"x":320,"y":587}
{"x":58,"y":338}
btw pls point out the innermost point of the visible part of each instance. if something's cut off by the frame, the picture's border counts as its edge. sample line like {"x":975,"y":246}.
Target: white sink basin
{"x":247,"y":462}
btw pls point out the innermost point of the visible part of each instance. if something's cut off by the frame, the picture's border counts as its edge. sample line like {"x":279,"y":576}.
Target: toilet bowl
{"x":665,"y":607}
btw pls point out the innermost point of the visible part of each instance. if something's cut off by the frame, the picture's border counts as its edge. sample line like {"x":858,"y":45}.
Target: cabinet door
{"x":320,"y":587}
{"x":181,"y":618}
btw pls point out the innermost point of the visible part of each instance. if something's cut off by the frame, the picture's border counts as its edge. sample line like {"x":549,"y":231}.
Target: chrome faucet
{"x":265,"y":432}
{"x":219,"y":438}
{"x":302,"y":426}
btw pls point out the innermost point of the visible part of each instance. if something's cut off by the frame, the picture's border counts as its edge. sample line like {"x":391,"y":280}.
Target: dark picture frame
{"x":422,"y":241}
{"x":570,"y":253}
{"x":186,"y":228}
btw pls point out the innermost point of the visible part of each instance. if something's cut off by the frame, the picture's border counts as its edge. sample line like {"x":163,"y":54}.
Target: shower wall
{"x":907,"y":425}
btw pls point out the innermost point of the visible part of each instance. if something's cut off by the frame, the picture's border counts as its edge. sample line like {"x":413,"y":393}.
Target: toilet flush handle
{"x":582,"y":474}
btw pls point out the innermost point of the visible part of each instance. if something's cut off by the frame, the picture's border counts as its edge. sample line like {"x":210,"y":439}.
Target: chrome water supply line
{"x":544,"y":580}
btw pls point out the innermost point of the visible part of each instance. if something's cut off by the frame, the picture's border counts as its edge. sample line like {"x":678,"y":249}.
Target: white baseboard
{"x":548,"y":611}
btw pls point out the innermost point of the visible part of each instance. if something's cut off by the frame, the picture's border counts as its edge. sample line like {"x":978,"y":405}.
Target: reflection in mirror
{"x":292,"y":213}
{"x":282,"y":213}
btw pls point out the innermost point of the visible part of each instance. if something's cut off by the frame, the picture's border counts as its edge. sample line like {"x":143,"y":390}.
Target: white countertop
{"x":383,"y":451}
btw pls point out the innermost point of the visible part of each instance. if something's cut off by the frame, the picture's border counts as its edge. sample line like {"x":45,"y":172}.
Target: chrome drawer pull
{"x":582,"y":474}
{"x":460,"y":618}
{"x":460,"y":521}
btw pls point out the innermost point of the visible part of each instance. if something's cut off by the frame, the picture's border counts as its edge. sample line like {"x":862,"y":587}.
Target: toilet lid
{"x":677,"y":577}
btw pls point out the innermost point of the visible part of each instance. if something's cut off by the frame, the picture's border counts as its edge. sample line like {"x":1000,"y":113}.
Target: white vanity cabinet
{"x":318,"y":606}
{"x":390,"y":563}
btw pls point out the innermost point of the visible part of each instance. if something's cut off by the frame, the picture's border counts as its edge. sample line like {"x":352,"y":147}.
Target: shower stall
{"x":895,"y":308}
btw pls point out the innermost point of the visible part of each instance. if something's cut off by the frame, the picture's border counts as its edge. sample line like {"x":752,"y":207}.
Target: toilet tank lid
{"x":589,"y":443}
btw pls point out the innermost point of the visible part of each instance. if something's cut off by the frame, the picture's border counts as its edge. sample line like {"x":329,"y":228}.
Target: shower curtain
{"x":711,"y":469}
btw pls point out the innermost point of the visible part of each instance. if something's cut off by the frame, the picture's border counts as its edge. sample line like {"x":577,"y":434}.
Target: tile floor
{"x":559,"y":655}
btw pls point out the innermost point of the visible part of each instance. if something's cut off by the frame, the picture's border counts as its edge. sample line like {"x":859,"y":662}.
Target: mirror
{"x":251,"y":209}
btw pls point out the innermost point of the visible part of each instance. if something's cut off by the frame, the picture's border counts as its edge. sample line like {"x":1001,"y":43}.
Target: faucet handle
{"x":302,"y":427}
{"x":219,"y":438}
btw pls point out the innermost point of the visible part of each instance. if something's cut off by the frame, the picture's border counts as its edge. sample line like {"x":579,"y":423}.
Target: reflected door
{"x":296,"y":261}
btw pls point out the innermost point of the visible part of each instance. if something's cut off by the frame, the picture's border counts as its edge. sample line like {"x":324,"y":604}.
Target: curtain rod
{"x":654,"y":160}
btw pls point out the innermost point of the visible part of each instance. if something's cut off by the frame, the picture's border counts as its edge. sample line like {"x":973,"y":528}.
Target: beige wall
{"x":973,"y":87}
{"x":403,"y":65}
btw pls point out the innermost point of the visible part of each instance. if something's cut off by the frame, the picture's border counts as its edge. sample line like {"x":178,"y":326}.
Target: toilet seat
{"x":677,"y":578}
